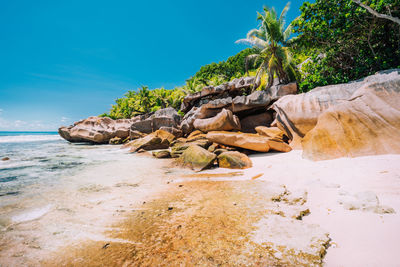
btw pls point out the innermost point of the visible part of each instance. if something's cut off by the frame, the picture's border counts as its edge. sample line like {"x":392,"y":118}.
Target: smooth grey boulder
{"x":96,"y":130}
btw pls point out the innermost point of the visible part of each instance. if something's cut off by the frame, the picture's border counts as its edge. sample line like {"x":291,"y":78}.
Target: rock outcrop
{"x":157,"y":140}
{"x":366,"y":124}
{"x":298,"y":114}
{"x":167,"y":117}
{"x":241,"y":105}
{"x":234,"y":160}
{"x":96,"y":130}
{"x":250,"y":122}
{"x":223,"y":121}
{"x":208,"y":93}
{"x":248,"y":141}
{"x":197,"y":158}
{"x":271,"y":132}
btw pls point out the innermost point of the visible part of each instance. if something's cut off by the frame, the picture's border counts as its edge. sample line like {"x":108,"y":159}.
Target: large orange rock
{"x":157,"y":140}
{"x":298,"y":114}
{"x":223,"y":121}
{"x":271,"y":132}
{"x":248,"y":141}
{"x":367,"y":124}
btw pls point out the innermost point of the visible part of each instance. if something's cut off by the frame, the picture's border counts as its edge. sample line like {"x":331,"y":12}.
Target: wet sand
{"x":285,"y":211}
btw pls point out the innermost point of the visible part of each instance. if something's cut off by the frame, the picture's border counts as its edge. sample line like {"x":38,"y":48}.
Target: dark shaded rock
{"x":197,"y":158}
{"x":172,"y":130}
{"x":96,"y":130}
{"x":208,"y":93}
{"x":249,"y":123}
{"x":220,"y":151}
{"x":161,"y":154}
{"x":223,"y":121}
{"x":167,"y":117}
{"x":5,"y":159}
{"x":234,"y":160}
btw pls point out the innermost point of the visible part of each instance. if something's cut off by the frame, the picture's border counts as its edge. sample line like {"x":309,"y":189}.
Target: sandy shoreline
{"x":235,"y":206}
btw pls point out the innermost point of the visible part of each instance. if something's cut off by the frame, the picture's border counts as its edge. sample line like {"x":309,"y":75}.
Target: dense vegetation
{"x":337,"y":41}
{"x":345,"y":42}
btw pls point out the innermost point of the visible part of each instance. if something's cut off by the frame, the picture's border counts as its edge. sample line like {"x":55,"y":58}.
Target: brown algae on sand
{"x":202,"y":223}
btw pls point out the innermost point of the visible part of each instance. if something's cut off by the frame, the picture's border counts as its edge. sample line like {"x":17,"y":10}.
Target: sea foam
{"x":28,"y":138}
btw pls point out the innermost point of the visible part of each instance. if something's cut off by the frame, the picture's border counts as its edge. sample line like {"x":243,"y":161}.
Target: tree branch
{"x":373,"y":12}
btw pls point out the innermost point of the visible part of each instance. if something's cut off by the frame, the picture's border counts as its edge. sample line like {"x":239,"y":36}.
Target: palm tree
{"x":271,"y":40}
{"x":145,"y":99}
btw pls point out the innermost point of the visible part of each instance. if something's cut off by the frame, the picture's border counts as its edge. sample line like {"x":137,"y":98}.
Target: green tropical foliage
{"x":144,"y":101}
{"x":270,"y":42}
{"x":345,"y":42}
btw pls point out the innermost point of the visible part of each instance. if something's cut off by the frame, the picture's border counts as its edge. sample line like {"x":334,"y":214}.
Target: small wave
{"x":28,"y":138}
{"x":32,"y":214}
{"x":8,"y":179}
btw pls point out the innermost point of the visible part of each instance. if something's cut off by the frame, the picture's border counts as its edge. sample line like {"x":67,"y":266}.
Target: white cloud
{"x":64,"y":119}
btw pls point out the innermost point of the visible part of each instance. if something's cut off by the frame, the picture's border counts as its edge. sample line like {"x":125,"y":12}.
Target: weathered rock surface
{"x":298,"y":114}
{"x":167,"y":117}
{"x":172,"y":130}
{"x":96,"y":130}
{"x":223,"y":121}
{"x":249,"y":123}
{"x":208,"y":93}
{"x":248,"y":141}
{"x":161,"y":154}
{"x":136,"y":135}
{"x":366,"y":124}
{"x":257,"y":101}
{"x":179,"y":146}
{"x":197,"y":158}
{"x":234,"y":160}
{"x":157,"y":140}
{"x":271,"y":132}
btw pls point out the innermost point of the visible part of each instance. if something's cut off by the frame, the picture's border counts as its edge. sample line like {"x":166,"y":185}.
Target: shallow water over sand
{"x":53,"y":193}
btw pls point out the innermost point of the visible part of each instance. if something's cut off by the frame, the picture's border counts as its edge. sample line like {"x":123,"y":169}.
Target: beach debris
{"x":106,"y":246}
{"x":5,"y":159}
{"x":257,"y":176}
{"x":364,"y":201}
{"x":234,"y":160}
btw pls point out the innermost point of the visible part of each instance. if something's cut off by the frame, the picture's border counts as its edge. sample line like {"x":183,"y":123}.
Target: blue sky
{"x":61,"y":61}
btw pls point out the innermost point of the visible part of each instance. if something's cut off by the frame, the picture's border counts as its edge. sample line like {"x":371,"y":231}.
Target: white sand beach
{"x":93,"y":209}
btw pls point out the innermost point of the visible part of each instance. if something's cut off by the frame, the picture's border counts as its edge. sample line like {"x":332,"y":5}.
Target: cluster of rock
{"x":353,"y":119}
{"x":345,"y":120}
